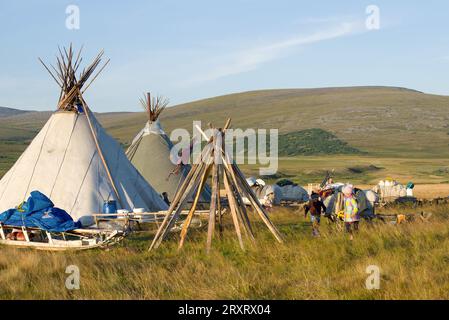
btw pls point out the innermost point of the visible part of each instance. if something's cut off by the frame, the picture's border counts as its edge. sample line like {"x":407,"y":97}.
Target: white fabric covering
{"x":62,"y":162}
{"x":268,"y":195}
{"x":390,"y":190}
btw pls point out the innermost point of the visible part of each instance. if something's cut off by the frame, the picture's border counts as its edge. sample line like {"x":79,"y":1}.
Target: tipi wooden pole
{"x":227,"y":161}
{"x":188,"y":193}
{"x":192,"y":171}
{"x":176,"y":204}
{"x":257,"y":205}
{"x":100,"y":152}
{"x":227,"y":124}
{"x":251,"y":196}
{"x":232,"y":206}
{"x":178,"y":196}
{"x":241,"y":209}
{"x":213,"y":207}
{"x":219,"y":211}
{"x":188,"y":220}
{"x":167,"y":224}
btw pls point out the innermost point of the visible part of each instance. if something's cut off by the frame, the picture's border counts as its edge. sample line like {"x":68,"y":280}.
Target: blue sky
{"x":189,"y":50}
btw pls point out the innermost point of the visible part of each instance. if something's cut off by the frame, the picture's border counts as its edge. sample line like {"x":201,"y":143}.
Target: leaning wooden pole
{"x":241,"y":211}
{"x":188,"y":220}
{"x":256,"y":204}
{"x":100,"y":152}
{"x":181,"y":198}
{"x":169,"y":220}
{"x":213,"y":208}
{"x":232,"y":206}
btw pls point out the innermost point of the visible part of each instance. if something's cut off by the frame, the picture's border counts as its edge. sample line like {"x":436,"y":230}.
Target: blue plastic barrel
{"x":110,"y":206}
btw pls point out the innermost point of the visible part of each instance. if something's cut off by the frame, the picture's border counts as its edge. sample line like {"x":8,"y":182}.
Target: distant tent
{"x":390,"y":190}
{"x":292,"y":192}
{"x":268,"y":194}
{"x":72,"y":160}
{"x":150,"y":153}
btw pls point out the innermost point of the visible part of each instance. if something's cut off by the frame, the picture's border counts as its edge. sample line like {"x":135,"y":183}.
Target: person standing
{"x":315,"y":206}
{"x":350,"y":211}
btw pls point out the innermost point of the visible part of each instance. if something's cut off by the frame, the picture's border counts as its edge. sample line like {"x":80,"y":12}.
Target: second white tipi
{"x":150,"y":152}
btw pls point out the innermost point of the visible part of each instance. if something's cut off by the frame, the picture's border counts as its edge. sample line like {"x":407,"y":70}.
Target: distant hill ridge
{"x":8,"y":112}
{"x":378,"y":120}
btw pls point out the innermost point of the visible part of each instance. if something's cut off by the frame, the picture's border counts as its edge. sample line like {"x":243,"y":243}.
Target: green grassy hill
{"x":312,"y":142}
{"x":380,"y":122}
{"x":7,"y":112}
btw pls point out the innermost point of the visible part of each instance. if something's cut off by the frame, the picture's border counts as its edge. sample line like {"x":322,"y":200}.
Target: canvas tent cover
{"x":150,"y":154}
{"x":63,"y":163}
{"x":293,"y":192}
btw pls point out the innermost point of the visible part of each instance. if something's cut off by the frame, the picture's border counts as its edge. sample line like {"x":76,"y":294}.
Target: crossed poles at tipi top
{"x":215,"y":162}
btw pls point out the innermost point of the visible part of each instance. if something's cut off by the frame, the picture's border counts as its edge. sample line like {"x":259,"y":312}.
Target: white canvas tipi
{"x":150,"y":153}
{"x":74,"y":161}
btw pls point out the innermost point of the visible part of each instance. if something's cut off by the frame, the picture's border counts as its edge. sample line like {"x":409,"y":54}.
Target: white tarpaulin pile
{"x":390,"y":190}
{"x":268,"y":195}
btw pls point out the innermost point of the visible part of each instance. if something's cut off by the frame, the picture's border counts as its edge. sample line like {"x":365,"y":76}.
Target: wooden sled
{"x":403,"y":218}
{"x":78,"y":239}
{"x":144,"y":217}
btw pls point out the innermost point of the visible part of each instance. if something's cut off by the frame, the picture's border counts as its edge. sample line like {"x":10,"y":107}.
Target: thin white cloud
{"x":252,"y":58}
{"x":321,"y":20}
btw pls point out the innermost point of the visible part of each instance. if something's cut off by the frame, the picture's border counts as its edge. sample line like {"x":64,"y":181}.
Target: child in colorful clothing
{"x":315,"y":206}
{"x":351,"y":216}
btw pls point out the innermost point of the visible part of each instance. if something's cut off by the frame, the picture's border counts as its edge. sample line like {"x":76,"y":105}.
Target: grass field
{"x":359,"y":169}
{"x":413,"y":260}
{"x":402,"y":134}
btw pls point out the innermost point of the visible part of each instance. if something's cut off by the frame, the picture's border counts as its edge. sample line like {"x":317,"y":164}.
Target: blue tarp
{"x":39,"y":212}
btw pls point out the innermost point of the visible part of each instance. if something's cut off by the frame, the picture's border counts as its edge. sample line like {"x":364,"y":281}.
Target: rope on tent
{"x":37,"y":160}
{"x":65,"y":153}
{"x":100,"y":152}
{"x":82,"y":181}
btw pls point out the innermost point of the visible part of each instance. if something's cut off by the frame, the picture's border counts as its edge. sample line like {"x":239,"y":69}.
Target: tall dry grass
{"x":413,"y":259}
